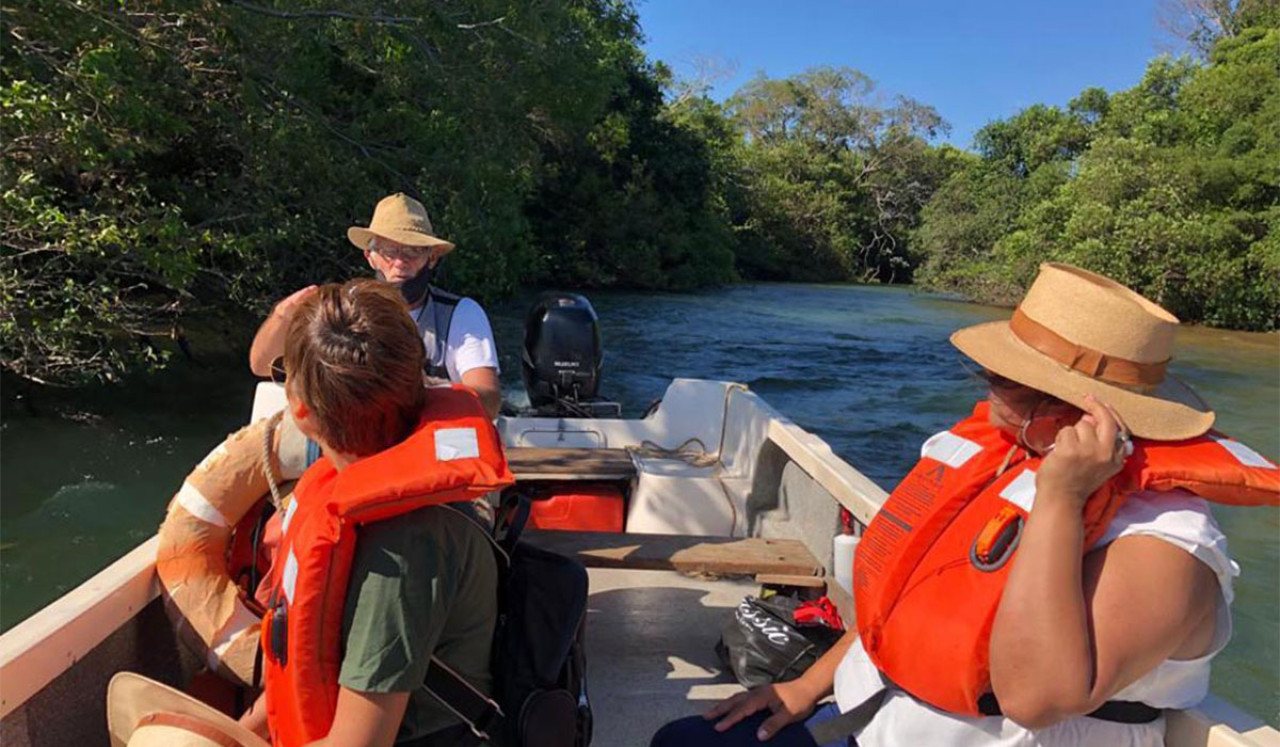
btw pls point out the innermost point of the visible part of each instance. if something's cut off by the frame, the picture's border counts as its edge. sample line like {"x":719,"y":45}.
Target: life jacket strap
{"x":856,"y":719}
{"x":850,"y":722}
{"x":1118,"y":711}
{"x":481,"y":713}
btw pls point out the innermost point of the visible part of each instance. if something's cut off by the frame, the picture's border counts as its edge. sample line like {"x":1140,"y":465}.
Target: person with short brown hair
{"x":420,"y":582}
{"x":333,"y":338}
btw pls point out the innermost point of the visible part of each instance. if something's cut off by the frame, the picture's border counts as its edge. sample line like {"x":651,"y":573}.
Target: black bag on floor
{"x":539,"y":655}
{"x":762,"y":644}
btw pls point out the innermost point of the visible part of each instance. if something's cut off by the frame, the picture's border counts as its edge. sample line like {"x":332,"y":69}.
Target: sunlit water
{"x":869,"y":369}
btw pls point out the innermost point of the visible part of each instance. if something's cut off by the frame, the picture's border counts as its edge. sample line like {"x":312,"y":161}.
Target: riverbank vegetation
{"x":184,"y":159}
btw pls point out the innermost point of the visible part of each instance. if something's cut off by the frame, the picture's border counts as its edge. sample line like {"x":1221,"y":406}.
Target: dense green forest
{"x":176,"y":160}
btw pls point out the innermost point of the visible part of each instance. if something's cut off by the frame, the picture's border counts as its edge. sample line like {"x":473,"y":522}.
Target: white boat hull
{"x":646,"y":629}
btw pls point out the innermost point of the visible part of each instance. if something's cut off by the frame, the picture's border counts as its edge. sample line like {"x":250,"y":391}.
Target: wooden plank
{"x":529,"y":463}
{"x":35,"y":651}
{"x":667,"y":552}
{"x":783,"y":579}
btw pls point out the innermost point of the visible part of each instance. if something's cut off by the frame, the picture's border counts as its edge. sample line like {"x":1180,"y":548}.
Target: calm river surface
{"x":867,"y":368}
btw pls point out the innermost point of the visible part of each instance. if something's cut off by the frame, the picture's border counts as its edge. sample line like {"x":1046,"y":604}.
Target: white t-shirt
{"x":470,"y":344}
{"x":1179,"y":518}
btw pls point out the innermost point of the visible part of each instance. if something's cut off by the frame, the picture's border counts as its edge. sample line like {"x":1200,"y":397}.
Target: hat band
{"x":411,"y":227}
{"x":192,"y":724}
{"x":1086,"y":360}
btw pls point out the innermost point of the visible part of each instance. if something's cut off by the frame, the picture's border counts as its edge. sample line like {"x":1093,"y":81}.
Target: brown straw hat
{"x":400,"y":218}
{"x":1079,"y":333}
{"x":144,"y":713}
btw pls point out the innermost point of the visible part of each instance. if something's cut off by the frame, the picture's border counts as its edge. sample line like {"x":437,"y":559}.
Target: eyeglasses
{"x":402,"y":254}
{"x":277,"y":370}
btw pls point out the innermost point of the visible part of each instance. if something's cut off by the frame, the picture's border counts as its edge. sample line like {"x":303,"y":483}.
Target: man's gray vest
{"x":434,"y":320}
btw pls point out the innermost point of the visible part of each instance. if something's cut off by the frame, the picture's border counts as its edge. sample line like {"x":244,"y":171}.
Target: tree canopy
{"x":181,"y":159}
{"x":1171,"y":187}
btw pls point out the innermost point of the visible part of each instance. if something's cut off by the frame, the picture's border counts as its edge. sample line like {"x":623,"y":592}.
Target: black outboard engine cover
{"x":562,"y":352}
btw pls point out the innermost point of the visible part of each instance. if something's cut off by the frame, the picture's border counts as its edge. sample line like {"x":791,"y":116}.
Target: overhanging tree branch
{"x":302,"y":14}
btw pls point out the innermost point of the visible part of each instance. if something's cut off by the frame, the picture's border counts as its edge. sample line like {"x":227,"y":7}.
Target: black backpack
{"x":539,"y":655}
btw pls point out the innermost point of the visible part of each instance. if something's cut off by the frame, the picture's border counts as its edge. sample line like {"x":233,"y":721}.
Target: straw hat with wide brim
{"x":144,"y":713}
{"x":400,"y":218}
{"x":1079,"y":333}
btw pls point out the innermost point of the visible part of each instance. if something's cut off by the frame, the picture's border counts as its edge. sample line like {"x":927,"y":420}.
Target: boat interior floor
{"x":651,"y":656}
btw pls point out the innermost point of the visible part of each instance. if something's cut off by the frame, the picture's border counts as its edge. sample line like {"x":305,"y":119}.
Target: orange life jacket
{"x":455,"y":454}
{"x":930,"y":569}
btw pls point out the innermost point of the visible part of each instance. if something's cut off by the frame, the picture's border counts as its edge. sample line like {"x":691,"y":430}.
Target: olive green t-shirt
{"x":422,"y":584}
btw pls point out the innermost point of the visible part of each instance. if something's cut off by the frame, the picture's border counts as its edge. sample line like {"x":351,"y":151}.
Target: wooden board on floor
{"x":667,"y":552}
{"x":786,"y":579}
{"x":569,"y":464}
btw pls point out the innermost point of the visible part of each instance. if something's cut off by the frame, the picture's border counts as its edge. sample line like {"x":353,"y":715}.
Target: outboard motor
{"x":561,"y":365}
{"x":562,"y":356}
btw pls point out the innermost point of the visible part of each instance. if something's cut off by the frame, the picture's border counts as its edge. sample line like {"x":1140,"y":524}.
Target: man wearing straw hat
{"x":1049,"y":574}
{"x":402,"y":248}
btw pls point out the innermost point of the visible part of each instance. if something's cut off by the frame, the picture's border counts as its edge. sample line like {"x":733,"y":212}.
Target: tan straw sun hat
{"x":400,"y":218}
{"x":144,"y":713}
{"x":1078,"y":333}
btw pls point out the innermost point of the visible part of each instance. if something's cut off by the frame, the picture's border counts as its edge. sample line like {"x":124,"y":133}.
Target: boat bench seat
{"x":530,"y":464}
{"x":684,"y":553}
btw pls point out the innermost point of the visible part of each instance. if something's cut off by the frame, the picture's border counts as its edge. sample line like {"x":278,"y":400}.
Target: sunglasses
{"x":994,"y":380}
{"x":277,"y":370}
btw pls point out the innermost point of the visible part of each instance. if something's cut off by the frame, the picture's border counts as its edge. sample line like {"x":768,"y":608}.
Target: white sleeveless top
{"x":1179,"y":518}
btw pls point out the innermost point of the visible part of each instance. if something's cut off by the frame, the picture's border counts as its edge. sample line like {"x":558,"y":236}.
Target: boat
{"x":723,"y":494}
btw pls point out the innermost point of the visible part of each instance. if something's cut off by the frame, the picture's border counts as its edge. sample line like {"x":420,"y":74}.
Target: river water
{"x":869,"y":369}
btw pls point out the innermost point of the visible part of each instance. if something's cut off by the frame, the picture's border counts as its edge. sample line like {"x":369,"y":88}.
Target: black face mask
{"x":415,"y":288}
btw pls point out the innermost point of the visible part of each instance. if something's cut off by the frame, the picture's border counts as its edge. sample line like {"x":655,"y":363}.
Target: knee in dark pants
{"x":685,"y":732}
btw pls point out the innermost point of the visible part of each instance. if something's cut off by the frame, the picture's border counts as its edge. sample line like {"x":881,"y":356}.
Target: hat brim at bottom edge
{"x":360,"y":237}
{"x":1172,"y":412}
{"x":131,"y":696}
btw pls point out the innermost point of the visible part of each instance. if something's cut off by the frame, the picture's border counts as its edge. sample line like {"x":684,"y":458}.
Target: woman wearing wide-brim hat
{"x":1050,"y":572}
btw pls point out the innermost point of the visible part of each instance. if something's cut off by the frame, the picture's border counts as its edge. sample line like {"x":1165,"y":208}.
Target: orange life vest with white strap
{"x":454,"y":455}
{"x":930,"y":569}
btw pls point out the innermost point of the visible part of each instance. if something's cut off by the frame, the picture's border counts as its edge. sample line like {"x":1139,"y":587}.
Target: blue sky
{"x":973,"y":61}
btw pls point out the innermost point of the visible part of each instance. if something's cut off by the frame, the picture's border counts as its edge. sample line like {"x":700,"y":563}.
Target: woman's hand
{"x":789,"y":701}
{"x":1084,"y":455}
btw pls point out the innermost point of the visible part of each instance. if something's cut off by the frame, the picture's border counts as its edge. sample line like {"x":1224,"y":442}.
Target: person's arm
{"x":365,"y":719}
{"x":471,"y":352}
{"x":398,"y":599}
{"x":268,"y":343}
{"x":255,"y":719}
{"x":789,"y":701}
{"x":1070,"y":632}
{"x":484,"y":382}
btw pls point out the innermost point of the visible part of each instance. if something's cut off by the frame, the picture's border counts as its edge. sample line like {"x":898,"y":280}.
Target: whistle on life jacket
{"x":275,"y":631}
{"x":997,"y":541}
